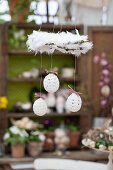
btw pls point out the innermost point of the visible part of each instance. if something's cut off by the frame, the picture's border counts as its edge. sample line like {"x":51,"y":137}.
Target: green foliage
{"x":101,"y":142}
{"x":72,"y":127}
{"x":48,"y":130}
{"x":33,"y":138}
{"x":20,"y":6}
{"x":15,"y":138}
{"x":110,"y":144}
{"x":17,"y":38}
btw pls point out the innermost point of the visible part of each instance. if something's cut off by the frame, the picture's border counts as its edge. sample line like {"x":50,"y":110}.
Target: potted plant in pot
{"x":74,"y":135}
{"x":74,"y":132}
{"x":35,"y":143}
{"x":19,"y":10}
{"x":17,"y":138}
{"x":48,"y":130}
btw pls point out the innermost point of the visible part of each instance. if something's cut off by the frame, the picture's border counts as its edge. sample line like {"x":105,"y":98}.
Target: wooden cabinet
{"x":6,"y":82}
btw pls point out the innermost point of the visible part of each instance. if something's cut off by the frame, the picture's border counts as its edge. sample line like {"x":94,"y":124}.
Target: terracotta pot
{"x":74,"y":138}
{"x":49,"y":142}
{"x":34,"y":148}
{"x":18,"y":150}
{"x":16,"y":14}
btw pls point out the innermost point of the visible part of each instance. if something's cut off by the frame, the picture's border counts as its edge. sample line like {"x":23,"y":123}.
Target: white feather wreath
{"x":64,"y":42}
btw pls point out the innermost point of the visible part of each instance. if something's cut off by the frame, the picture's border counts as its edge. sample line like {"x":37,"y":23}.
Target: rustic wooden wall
{"x":3,"y":73}
{"x":102,"y":38}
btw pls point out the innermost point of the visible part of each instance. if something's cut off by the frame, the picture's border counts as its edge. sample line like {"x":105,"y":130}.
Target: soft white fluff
{"x":64,"y":42}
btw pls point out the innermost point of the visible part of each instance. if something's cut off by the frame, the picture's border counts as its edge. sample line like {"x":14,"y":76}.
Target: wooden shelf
{"x":25,"y":52}
{"x":49,"y":26}
{"x":54,"y":114}
{"x":74,"y":155}
{"x":38,"y":79}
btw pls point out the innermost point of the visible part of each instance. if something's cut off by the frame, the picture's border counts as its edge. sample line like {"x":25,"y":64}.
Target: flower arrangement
{"x":36,"y":136}
{"x":25,"y":123}
{"x":71,"y":123}
{"x":17,"y":38}
{"x":48,"y":126}
{"x":3,"y":102}
{"x":48,"y":130}
{"x":24,"y":132}
{"x":100,"y":138}
{"x":35,"y":143}
{"x":15,"y":135}
{"x":106,"y":99}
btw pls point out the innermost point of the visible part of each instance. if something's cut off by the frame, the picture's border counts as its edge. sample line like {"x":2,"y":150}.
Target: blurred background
{"x":59,"y":132}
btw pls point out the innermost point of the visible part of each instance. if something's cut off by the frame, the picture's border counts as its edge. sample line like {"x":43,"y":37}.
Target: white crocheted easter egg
{"x":74,"y":103}
{"x":51,"y":83}
{"x":40,"y":107}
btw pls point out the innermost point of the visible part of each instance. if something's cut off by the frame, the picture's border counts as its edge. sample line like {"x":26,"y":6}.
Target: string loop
{"x":73,"y":91}
{"x":50,"y":71}
{"x":39,"y":96}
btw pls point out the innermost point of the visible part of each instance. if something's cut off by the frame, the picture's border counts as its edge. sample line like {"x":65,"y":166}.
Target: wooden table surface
{"x":74,"y":155}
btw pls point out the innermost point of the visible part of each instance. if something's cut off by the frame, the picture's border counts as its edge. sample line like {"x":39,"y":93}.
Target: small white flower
{"x":88,"y":142}
{"x":35,"y":133}
{"x":42,"y":137}
{"x":92,"y":144}
{"x":23,"y":133}
{"x":15,"y":130}
{"x":6,"y":136}
{"x":102,"y":147}
{"x":84,"y":142}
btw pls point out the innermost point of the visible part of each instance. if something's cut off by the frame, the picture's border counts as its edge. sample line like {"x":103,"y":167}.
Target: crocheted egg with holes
{"x":40,"y":107}
{"x":74,"y":103}
{"x":51,"y":83}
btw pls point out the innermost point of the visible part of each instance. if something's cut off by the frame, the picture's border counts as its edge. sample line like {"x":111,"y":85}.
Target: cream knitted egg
{"x":40,"y":107}
{"x":51,"y":83}
{"x":74,"y":103}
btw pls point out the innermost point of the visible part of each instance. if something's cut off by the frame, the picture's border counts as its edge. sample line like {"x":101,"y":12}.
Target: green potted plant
{"x":74,"y":131}
{"x":17,"y":138}
{"x":48,"y":130}
{"x":19,"y":10}
{"x":74,"y":135}
{"x":17,"y":38}
{"x":35,"y":143}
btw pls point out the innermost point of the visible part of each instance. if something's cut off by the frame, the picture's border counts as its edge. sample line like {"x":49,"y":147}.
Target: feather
{"x":64,"y":42}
